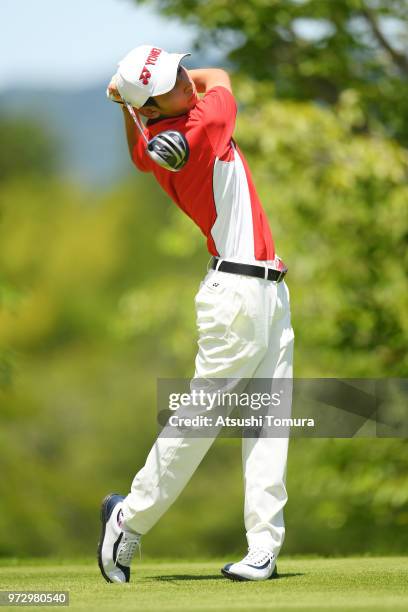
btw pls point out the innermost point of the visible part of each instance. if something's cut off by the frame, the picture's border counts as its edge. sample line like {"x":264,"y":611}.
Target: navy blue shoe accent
{"x":258,"y":566}
{"x":234,"y":577}
{"x":225,"y":571}
{"x":107,"y":507}
{"x":125,"y":570}
{"x":115,"y":547}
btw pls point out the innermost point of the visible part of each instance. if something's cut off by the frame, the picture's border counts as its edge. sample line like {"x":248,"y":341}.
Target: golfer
{"x":242,"y":305}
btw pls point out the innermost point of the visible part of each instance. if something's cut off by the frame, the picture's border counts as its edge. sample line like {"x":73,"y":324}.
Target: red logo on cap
{"x":145,"y":76}
{"x":151,"y":60}
{"x":153,"y":55}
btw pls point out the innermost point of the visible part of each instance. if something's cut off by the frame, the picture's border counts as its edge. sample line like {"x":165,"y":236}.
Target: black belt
{"x":248,"y":270}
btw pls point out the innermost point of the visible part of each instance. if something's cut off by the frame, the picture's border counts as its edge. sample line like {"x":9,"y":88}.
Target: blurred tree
{"x":312,"y":49}
{"x":337,"y":202}
{"x":27,"y":149}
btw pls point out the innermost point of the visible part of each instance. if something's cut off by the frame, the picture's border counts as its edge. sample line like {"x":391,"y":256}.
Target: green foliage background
{"x":96,"y":303}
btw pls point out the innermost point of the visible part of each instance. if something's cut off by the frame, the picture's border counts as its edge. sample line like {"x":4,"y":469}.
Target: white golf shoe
{"x":259,"y":564}
{"x":117,"y":546}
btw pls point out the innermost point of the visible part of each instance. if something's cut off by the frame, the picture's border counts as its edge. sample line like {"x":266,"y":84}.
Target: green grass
{"x":363,"y":583}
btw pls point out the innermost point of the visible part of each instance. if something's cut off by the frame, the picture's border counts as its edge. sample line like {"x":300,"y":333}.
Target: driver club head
{"x":169,"y":149}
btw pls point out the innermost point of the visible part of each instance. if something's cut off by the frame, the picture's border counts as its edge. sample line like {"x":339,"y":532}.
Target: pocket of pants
{"x":217,"y":282}
{"x":217,"y":306}
{"x":224,"y":319}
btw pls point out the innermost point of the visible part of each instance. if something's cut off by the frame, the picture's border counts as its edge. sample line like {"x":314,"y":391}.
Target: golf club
{"x":169,"y":149}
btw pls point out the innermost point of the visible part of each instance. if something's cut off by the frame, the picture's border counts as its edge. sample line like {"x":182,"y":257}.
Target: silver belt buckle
{"x":283,"y":271}
{"x":281,"y":275}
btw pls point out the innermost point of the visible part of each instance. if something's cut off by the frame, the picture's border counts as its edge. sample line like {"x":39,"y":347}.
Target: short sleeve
{"x":219,"y":111}
{"x":139,"y":155}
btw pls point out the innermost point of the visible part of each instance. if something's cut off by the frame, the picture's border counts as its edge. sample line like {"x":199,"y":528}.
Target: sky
{"x":77,"y":43}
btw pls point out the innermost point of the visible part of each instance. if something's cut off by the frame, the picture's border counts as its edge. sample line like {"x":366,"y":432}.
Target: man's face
{"x":178,"y":101}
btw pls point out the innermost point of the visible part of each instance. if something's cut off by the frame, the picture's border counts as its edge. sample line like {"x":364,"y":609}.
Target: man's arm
{"x":206,"y":78}
{"x":132,"y":134}
{"x":218,"y":108}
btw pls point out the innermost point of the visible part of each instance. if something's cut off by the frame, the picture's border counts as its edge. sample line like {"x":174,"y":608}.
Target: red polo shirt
{"x":214,"y":188}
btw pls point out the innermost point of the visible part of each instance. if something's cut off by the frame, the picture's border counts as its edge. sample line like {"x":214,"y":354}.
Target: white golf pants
{"x":244,"y":332}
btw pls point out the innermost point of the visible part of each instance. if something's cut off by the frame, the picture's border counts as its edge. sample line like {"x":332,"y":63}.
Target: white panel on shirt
{"x":233,"y":231}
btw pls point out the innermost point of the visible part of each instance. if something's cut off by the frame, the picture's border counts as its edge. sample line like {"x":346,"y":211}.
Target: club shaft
{"x":136,"y":120}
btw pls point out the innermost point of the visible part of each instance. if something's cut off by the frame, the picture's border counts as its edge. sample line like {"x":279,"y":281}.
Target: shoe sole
{"x":104,"y":519}
{"x":237,"y":578}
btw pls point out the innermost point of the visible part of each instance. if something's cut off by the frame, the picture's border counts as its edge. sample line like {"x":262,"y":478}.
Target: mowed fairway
{"x":303,"y":584}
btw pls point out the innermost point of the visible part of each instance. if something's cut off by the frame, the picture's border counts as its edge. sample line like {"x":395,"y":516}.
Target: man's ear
{"x":151,"y":112}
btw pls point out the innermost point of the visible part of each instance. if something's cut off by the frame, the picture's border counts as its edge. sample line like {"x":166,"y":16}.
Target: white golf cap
{"x":147,"y":71}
